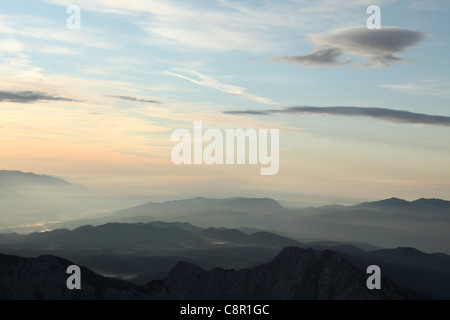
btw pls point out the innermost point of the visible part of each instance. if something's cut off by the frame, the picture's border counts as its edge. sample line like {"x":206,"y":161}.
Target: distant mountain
{"x":147,"y":238}
{"x":182,"y":225}
{"x":27,"y":198}
{"x":413,"y":258}
{"x":18,"y":179}
{"x":419,"y":209}
{"x":295,"y":274}
{"x":29,"y":201}
{"x":392,"y":203}
{"x":129,"y":250}
{"x":403,"y":204}
{"x":233,"y":212}
{"x":424,"y":223}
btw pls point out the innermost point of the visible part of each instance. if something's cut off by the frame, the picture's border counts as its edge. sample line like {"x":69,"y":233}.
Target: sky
{"x":363,"y":114}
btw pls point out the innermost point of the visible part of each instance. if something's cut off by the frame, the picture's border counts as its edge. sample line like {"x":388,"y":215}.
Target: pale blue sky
{"x":202,"y":58}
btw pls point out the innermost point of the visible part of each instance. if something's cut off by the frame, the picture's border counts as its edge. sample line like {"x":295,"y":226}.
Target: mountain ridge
{"x":294,"y":274}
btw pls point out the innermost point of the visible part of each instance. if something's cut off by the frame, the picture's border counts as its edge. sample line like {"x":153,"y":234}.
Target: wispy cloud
{"x":396,"y":116}
{"x":134,"y":99}
{"x":11,"y":46}
{"x":39,"y":29}
{"x":224,"y":25}
{"x":207,"y":81}
{"x":379,"y":47}
{"x":426,"y":87}
{"x":29,"y":97}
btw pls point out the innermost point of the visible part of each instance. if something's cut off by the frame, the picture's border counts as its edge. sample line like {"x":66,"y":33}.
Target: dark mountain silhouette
{"x":420,"y":283}
{"x":44,"y":278}
{"x":414,"y":258}
{"x":130,"y":250}
{"x":410,"y":257}
{"x":145,"y":252}
{"x":295,"y":274}
{"x":182,"y":225}
{"x":143,"y":238}
{"x":410,"y":268}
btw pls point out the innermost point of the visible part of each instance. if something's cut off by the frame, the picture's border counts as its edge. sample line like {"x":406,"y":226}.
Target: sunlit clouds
{"x":363,"y":114}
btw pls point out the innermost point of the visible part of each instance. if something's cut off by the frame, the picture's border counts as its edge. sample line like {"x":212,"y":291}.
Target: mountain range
{"x":144,"y":243}
{"x":294,"y":274}
{"x":144,"y":252}
{"x":149,"y":250}
{"x":423,"y":224}
{"x":31,"y":202}
{"x":28,"y":199}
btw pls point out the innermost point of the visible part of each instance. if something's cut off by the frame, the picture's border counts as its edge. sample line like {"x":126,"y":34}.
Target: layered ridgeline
{"x":295,"y":274}
{"x":34,"y":203}
{"x":245,"y":233}
{"x":143,"y":252}
{"x":148,"y":251}
{"x":423,"y":224}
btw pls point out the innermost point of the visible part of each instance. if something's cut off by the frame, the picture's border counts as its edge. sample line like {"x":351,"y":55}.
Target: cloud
{"x":396,"y":116}
{"x":29,"y":97}
{"x":379,"y":47}
{"x":11,"y":46}
{"x":126,"y":98}
{"x":210,"y":82}
{"x":427,"y":87}
{"x":324,"y":56}
{"x":48,"y":33}
{"x":223,"y":25}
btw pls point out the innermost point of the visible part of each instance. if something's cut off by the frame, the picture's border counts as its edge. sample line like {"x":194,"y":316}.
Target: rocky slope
{"x":295,"y":274}
{"x":44,"y":278}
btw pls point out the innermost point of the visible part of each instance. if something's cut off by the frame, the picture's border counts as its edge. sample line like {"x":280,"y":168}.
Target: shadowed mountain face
{"x":128,"y":245}
{"x":145,"y":252}
{"x":294,"y":274}
{"x":44,"y":278}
